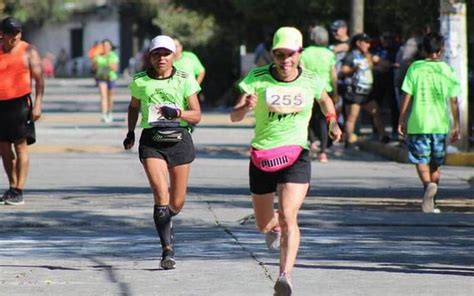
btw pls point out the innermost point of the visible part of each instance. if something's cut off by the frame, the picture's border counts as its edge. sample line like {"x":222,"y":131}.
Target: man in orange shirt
{"x":20,"y":63}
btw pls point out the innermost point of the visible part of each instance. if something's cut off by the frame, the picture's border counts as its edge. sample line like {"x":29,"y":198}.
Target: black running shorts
{"x":263,"y":182}
{"x":175,"y":153}
{"x":13,"y":119}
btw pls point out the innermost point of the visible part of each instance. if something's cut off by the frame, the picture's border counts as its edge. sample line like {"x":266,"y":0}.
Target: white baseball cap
{"x":162,"y":41}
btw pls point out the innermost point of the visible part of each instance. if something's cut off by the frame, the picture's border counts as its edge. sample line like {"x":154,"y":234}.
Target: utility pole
{"x":453,"y":28}
{"x":357,"y":16}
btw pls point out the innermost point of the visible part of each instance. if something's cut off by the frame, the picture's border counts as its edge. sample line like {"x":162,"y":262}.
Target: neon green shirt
{"x":431,"y":84}
{"x":320,"y":60}
{"x":283,"y":109}
{"x":104,"y":63}
{"x":190,"y":63}
{"x":173,"y":90}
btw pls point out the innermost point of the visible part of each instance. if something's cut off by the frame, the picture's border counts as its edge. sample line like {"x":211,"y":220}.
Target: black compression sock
{"x":162,"y":218}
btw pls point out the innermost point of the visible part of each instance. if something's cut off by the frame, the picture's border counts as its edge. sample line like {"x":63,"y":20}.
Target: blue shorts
{"x":426,"y":148}
{"x":111,"y":84}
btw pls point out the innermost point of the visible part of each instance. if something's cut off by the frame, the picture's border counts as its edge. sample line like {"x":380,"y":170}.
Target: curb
{"x":400,"y":154}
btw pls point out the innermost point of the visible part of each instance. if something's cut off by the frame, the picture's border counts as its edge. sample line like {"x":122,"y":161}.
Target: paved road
{"x":87,"y":229}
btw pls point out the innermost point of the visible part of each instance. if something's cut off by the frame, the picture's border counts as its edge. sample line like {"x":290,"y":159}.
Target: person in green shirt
{"x":105,"y":67}
{"x":188,"y":62}
{"x":428,"y":84}
{"x":166,"y":98}
{"x":321,"y":60}
{"x":282,"y":95}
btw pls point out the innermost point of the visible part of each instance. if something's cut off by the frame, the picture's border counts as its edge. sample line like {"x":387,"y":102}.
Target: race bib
{"x":155,"y":118}
{"x":285,"y":99}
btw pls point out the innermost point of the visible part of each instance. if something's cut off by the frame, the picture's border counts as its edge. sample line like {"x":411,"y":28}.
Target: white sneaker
{"x":110,"y":117}
{"x":272,"y":239}
{"x":428,"y":198}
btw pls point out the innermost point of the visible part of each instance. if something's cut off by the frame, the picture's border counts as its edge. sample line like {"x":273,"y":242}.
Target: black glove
{"x":170,"y":112}
{"x":129,"y":140}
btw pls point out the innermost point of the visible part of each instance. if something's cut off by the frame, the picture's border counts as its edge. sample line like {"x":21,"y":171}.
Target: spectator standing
{"x":357,"y":70}
{"x":321,"y":60}
{"x":47,"y":64}
{"x":383,"y":90}
{"x":61,"y":63}
{"x":263,"y":51}
{"x":340,"y":45}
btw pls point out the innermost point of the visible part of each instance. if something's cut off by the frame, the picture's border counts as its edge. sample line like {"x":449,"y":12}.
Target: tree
{"x":36,"y":12}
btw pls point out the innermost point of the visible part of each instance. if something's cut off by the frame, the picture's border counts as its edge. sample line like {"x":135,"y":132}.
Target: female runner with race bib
{"x":282,"y":95}
{"x":166,"y":99}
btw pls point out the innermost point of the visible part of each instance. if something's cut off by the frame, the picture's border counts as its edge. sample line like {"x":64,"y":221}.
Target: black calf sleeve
{"x":162,"y":218}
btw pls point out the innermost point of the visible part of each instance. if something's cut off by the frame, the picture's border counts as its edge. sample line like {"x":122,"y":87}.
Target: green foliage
{"x":191,"y":27}
{"x":38,"y":11}
{"x":400,"y":15}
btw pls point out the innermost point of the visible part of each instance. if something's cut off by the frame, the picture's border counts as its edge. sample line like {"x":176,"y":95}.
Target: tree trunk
{"x":357,"y":16}
{"x":454,"y":30}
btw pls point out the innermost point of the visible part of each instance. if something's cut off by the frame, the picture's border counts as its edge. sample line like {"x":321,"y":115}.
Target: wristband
{"x":330,"y":116}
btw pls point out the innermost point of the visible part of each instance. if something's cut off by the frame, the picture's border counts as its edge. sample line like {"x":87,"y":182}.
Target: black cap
{"x":361,"y":37}
{"x":336,"y":25}
{"x":10,"y":26}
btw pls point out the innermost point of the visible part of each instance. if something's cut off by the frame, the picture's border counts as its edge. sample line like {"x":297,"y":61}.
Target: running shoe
{"x":282,"y":286}
{"x":428,"y":198}
{"x":323,"y":157}
{"x":272,"y":239}
{"x":167,"y":259}
{"x":5,"y":196}
{"x":109,"y":117}
{"x":15,"y":198}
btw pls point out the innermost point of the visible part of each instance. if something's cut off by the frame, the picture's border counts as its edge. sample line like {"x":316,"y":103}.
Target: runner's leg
{"x":9,"y":162}
{"x":291,"y":197}
{"x":22,"y":164}
{"x":265,"y":217}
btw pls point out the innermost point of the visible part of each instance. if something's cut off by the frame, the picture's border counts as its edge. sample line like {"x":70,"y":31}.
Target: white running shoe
{"x":272,"y":239}
{"x":428,"y":198}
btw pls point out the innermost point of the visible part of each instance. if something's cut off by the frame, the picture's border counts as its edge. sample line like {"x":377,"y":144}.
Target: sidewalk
{"x":396,"y":152}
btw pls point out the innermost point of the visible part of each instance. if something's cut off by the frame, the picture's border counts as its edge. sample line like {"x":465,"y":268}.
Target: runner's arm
{"x":402,"y":121}
{"x":133,"y":111}
{"x":193,"y":114}
{"x":34,"y":61}
{"x":200,"y":76}
{"x":328,"y":109}
{"x":455,"y":133}
{"x":132,"y":118}
{"x":245,"y":103}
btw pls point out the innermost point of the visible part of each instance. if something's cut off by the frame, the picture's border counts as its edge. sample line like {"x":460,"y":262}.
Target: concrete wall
{"x":52,"y":37}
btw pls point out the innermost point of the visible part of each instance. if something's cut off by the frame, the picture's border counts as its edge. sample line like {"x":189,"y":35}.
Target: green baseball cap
{"x":289,"y":38}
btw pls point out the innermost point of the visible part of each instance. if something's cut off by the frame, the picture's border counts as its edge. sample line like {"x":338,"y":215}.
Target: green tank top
{"x":283,"y":108}
{"x":153,"y":93}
